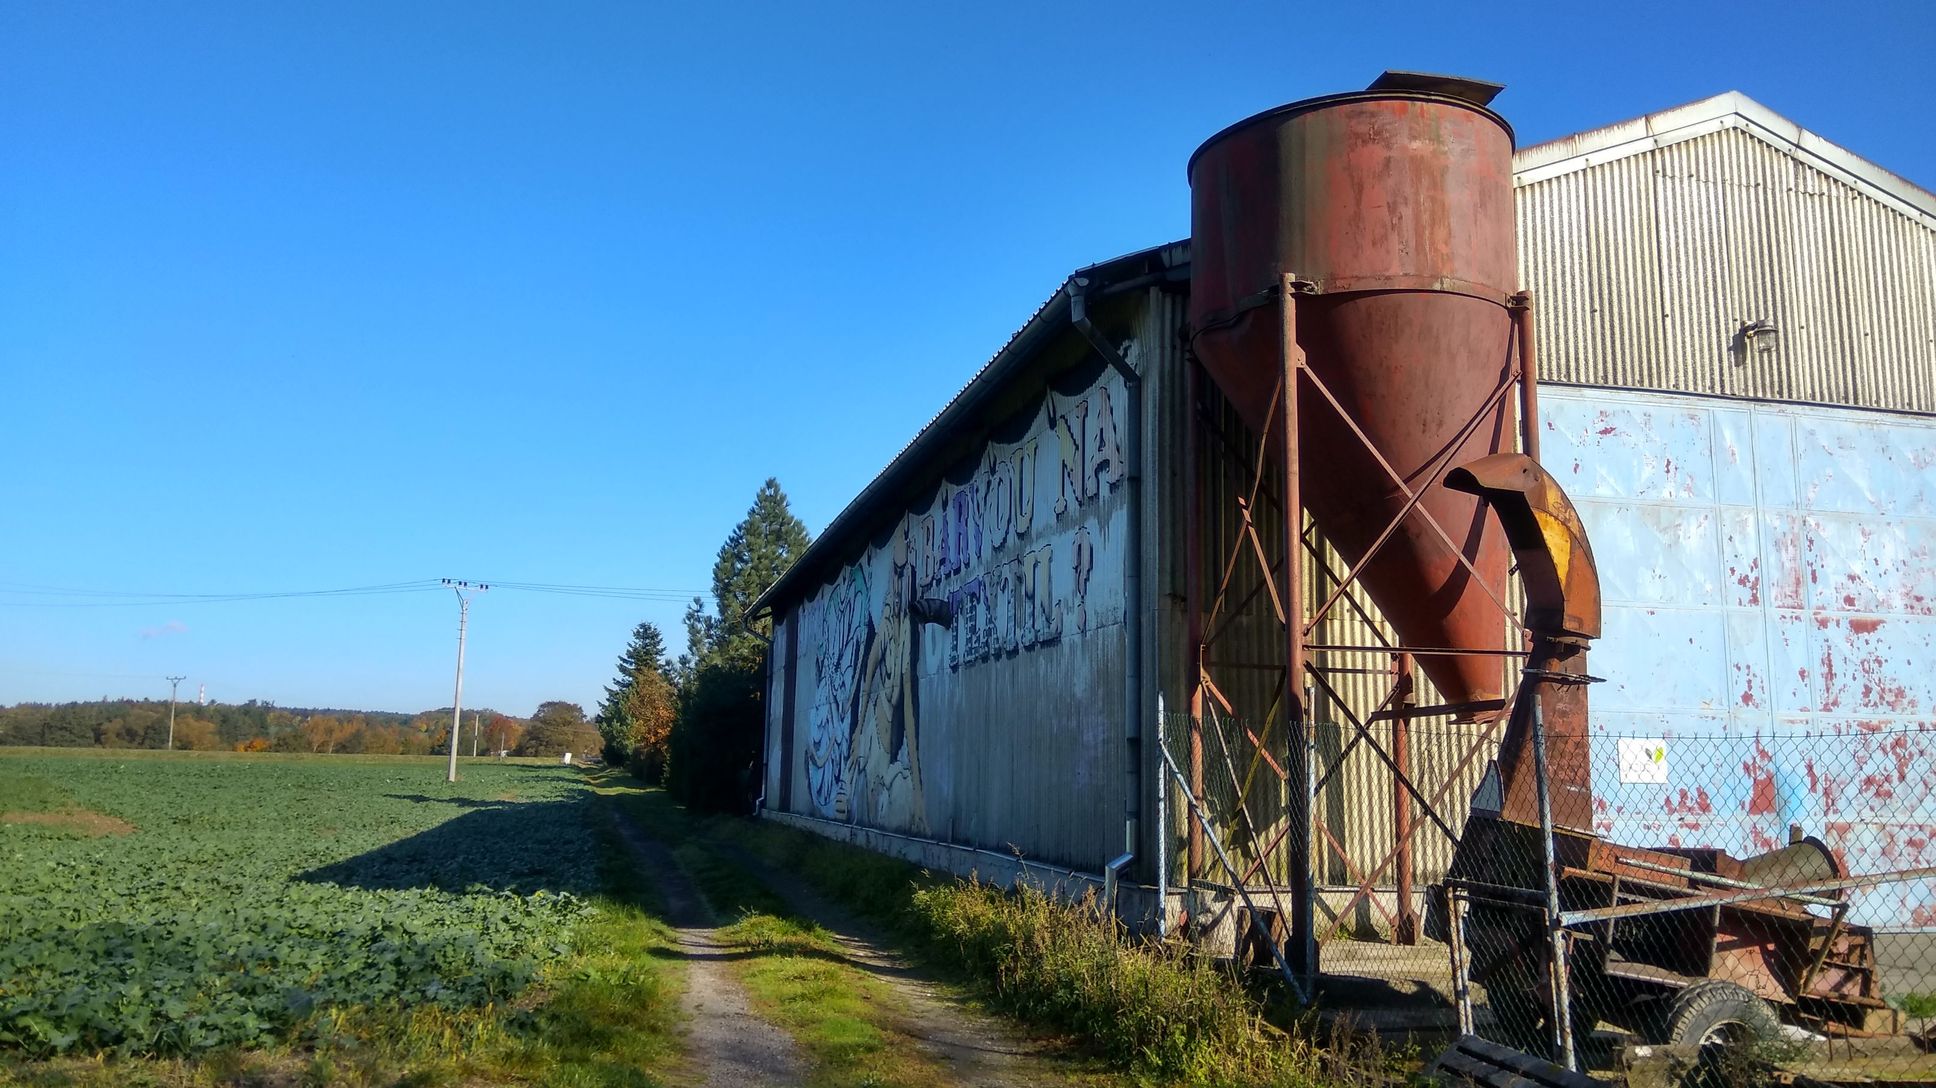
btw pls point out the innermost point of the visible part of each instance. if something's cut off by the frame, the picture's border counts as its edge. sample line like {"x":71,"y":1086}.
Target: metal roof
{"x":1732,"y":110}
{"x":860,"y":519}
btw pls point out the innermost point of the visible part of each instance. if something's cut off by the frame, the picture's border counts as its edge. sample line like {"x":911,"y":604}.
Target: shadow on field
{"x":517,"y":847}
{"x":454,"y":802}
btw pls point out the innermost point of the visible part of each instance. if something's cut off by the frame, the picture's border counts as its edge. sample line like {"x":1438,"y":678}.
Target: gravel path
{"x":728,"y":1045}
{"x":975,"y":1049}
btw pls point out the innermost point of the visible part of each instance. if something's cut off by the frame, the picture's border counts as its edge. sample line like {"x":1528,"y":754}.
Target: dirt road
{"x":727,"y":1044}
{"x":730,"y":1045}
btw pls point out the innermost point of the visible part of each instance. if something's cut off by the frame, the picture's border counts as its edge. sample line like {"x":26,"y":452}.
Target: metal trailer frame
{"x":1818,"y":972}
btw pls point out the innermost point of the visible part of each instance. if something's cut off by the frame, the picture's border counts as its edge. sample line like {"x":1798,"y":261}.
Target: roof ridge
{"x":1728,"y":110}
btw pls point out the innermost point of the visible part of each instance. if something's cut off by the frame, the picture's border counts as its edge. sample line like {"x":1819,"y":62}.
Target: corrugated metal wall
{"x":1645,"y":267}
{"x":961,"y":678}
{"x":1355,"y":807}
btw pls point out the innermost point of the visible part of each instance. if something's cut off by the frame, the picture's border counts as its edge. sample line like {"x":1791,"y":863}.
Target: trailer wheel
{"x":1729,"y":1024}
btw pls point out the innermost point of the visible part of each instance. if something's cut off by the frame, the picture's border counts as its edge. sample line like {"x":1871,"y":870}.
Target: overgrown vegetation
{"x":1155,"y":1011}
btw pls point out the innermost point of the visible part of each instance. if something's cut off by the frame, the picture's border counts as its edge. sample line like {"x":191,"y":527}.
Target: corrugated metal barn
{"x":1736,"y":324}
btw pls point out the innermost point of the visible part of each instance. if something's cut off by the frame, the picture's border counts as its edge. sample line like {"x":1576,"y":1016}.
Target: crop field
{"x":173,"y":904}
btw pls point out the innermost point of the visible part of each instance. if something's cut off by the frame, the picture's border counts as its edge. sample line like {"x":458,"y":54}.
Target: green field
{"x":189,"y":920}
{"x":159,"y":904}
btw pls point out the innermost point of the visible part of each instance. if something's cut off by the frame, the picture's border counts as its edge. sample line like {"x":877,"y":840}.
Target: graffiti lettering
{"x":973,"y":578}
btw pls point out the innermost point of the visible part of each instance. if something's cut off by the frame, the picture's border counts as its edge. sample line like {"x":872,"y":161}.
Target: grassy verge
{"x":1154,"y":1011}
{"x":841,"y":1017}
{"x":607,"y":1014}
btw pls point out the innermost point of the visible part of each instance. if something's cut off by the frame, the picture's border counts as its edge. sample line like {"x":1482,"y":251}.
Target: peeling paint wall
{"x":962,"y":679}
{"x":1769,"y":574}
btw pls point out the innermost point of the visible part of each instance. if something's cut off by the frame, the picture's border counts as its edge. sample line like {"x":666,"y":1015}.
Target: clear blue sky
{"x":300,"y":296}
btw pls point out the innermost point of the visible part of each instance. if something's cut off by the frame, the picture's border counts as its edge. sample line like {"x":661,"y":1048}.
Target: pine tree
{"x":714,"y":748}
{"x":636,"y":715}
{"x":759,"y":550}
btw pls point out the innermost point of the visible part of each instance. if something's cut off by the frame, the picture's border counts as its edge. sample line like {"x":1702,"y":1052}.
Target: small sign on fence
{"x":1643,"y":761}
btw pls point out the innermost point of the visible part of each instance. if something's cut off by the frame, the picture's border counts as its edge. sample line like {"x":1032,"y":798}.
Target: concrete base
{"x":1136,"y":904}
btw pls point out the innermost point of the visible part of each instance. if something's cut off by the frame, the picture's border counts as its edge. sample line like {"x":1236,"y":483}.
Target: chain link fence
{"x":1748,"y":905}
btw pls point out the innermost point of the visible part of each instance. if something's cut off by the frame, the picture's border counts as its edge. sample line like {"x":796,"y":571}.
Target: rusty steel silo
{"x":1388,"y":215}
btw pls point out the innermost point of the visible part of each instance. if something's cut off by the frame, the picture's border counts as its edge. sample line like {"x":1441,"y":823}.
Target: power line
{"x":174,"y":683}
{"x":462,"y":589}
{"x":72,"y":597}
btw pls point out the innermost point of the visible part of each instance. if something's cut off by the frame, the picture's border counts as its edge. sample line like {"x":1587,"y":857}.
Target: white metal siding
{"x":1643,"y":268}
{"x":1769,"y":578}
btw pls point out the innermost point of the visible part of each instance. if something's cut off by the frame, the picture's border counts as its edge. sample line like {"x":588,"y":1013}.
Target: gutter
{"x":1132,"y":575}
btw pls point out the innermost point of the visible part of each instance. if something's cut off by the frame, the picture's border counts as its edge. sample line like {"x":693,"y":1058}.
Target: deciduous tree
{"x":558,"y":727}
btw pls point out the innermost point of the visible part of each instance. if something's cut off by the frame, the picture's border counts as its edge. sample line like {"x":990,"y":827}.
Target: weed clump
{"x":1153,"y":1008}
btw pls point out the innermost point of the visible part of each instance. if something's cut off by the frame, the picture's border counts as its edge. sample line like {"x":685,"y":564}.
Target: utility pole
{"x":174,"y":685}
{"x":457,"y":700}
{"x":476,"y":726}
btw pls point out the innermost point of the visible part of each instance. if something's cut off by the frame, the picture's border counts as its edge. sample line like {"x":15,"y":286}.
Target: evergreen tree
{"x":713,"y":752}
{"x":636,"y":715}
{"x":759,"y":550}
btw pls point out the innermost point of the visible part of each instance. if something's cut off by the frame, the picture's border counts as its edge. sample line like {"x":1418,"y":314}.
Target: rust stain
{"x":1685,"y":804}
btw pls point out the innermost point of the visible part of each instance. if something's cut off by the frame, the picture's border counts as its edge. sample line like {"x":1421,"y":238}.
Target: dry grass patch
{"x":80,"y":821}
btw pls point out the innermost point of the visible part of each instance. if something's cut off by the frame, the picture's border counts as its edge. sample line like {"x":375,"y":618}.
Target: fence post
{"x":1555,"y":931}
{"x":1162,"y":830}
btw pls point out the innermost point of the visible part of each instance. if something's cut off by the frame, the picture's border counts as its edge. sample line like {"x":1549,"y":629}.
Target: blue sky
{"x":309,"y":296}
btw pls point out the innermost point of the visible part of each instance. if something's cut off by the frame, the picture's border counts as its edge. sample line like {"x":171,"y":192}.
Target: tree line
{"x":554,"y":728}
{"x":695,"y":723}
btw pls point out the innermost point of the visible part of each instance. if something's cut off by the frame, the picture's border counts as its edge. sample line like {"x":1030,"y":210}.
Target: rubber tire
{"x":1714,"y":1005}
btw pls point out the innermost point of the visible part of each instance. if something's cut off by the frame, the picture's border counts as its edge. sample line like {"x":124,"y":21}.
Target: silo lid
{"x":1479,"y":92}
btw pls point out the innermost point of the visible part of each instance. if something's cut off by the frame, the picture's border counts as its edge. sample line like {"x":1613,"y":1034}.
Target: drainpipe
{"x":1133,"y":576}
{"x":766,"y":712}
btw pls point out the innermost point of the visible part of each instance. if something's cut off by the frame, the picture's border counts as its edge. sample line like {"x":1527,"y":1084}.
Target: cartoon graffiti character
{"x":846,"y":631}
{"x":887,"y":739}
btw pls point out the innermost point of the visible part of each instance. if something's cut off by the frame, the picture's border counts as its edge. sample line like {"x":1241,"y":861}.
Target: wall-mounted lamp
{"x":1760,"y":337}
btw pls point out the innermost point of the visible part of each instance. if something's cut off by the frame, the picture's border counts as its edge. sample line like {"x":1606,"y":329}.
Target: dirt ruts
{"x":728,"y":1045}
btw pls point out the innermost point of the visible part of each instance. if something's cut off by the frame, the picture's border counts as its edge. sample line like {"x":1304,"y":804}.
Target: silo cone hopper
{"x":1388,"y":214}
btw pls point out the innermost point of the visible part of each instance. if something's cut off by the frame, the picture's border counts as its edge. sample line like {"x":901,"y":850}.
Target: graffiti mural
{"x":1004,"y":563}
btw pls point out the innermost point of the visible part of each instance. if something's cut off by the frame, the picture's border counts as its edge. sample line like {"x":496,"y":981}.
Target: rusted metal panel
{"x":1649,"y":261}
{"x":1395,"y":209}
{"x":1770,"y":577}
